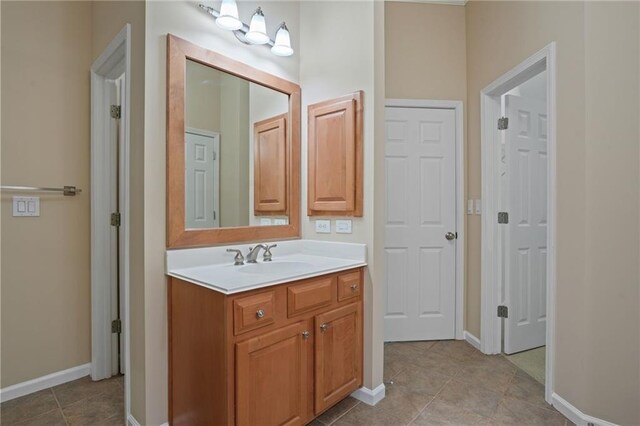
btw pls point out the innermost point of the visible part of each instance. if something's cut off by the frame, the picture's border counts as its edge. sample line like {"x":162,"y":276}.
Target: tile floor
{"x":428,"y":383}
{"x":81,"y":402}
{"x":448,"y":383}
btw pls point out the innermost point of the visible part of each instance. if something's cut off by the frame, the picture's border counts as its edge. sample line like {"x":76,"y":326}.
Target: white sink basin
{"x":293,"y":260}
{"x":276,"y":268}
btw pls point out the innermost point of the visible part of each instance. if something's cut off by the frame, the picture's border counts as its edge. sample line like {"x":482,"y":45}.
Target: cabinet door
{"x":272,"y":377}
{"x":338,"y":357}
{"x":270,"y":169}
{"x":335,"y":157}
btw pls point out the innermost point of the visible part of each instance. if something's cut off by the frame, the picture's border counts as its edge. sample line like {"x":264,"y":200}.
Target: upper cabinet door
{"x":335,"y":157}
{"x":270,"y":166}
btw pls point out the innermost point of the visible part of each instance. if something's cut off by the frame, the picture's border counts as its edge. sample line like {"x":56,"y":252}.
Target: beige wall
{"x":597,"y":280}
{"x":234,"y":151}
{"x":46,"y":54}
{"x":108,"y":18}
{"x":425,"y":51}
{"x":612,"y":280}
{"x":185,"y":20}
{"x":333,"y":63}
{"x":202,"y":97}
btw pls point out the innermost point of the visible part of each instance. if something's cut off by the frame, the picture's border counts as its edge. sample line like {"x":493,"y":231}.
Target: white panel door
{"x":420,"y":174}
{"x":526,"y":249}
{"x":201,"y":180}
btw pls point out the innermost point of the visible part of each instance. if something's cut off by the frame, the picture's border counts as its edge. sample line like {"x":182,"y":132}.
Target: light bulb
{"x":282,"y":46}
{"x":228,"y":18}
{"x":257,"y":29}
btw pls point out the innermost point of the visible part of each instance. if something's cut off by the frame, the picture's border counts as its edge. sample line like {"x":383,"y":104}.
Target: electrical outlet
{"x":343,"y":226}
{"x":280,"y":221}
{"x":469,"y":206}
{"x":478,"y":206}
{"x":323,"y":226}
{"x":265,"y":221}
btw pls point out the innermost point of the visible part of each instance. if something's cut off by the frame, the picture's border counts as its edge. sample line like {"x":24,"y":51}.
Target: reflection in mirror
{"x":235,"y":151}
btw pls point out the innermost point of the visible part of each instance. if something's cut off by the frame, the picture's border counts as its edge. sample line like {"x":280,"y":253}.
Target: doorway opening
{"x":518,"y":209}
{"x":424,"y":220}
{"x":110,"y":219}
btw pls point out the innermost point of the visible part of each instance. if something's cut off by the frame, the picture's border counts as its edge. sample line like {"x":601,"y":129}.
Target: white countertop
{"x":213,"y":267}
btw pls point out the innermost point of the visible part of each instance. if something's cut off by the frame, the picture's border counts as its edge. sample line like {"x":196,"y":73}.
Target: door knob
{"x":260,"y":313}
{"x":305,"y":335}
{"x":450,"y":236}
{"x":324,"y":327}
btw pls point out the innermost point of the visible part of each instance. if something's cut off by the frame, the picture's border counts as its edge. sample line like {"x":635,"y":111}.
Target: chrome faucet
{"x":267,"y":252}
{"x":239,"y":258}
{"x":253,"y":252}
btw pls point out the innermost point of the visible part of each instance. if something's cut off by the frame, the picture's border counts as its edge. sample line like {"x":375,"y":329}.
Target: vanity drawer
{"x":310,"y":295}
{"x":253,"y":312}
{"x":349,"y":286}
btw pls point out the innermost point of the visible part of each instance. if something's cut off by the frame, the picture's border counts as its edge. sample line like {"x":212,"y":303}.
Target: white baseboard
{"x":368,"y":396}
{"x":44,"y":382}
{"x":576,"y":416}
{"x":472,"y":340}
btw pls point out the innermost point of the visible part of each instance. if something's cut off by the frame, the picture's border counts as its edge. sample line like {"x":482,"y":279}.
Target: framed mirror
{"x":233,"y":150}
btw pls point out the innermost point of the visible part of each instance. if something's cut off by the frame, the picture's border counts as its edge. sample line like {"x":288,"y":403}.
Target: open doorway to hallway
{"x":523,"y":246}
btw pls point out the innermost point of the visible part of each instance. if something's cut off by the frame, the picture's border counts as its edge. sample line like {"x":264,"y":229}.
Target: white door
{"x":420,"y":185}
{"x":201,"y":180}
{"x":526,"y":249}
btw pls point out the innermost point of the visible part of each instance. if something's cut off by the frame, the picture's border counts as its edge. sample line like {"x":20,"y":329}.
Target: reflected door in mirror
{"x":202,"y":177}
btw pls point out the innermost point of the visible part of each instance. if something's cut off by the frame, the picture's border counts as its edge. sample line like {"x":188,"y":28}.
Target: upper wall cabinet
{"x":270,"y":155}
{"x":335,"y":157}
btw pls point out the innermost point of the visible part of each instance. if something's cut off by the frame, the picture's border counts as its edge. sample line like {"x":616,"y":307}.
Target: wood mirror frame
{"x":178,"y":52}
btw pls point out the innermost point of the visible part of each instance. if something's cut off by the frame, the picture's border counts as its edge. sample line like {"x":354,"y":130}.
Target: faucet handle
{"x":239,"y":258}
{"x":267,"y":252}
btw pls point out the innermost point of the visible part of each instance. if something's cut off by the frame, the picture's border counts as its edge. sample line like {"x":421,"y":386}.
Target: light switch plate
{"x":343,"y":227}
{"x":323,"y":226}
{"x":265,"y":221}
{"x":280,"y":221}
{"x":26,"y":206}
{"x":478,"y":207}
{"x":469,"y":206}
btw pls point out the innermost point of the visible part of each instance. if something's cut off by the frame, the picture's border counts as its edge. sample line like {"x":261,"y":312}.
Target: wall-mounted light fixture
{"x":254,"y":33}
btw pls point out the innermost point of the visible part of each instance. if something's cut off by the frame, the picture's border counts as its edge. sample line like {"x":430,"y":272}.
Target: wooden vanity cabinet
{"x":274,"y":356}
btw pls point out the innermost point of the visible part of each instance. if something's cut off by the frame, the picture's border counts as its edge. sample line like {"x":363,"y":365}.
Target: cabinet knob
{"x":260,"y":313}
{"x":324,"y":327}
{"x":354,"y":287}
{"x":305,"y":335}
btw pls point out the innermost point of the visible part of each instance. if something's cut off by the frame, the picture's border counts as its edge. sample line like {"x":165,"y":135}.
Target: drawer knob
{"x":305,"y":335}
{"x":354,"y":287}
{"x":260,"y":313}
{"x":324,"y":327}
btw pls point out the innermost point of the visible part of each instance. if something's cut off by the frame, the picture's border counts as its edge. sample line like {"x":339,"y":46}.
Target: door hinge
{"x":115,"y":111}
{"x":503,"y":123}
{"x":503,"y":311}
{"x":116,"y":326}
{"x":503,"y":217}
{"x":214,"y":156}
{"x":115,"y":219}
{"x":214,"y":215}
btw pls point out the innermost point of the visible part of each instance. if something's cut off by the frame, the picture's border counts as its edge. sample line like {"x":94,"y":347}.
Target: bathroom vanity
{"x":279,"y":339}
{"x":270,"y":348}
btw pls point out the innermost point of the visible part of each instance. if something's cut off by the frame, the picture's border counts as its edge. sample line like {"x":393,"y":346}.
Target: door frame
{"x":458,"y":108}
{"x":491,"y":285}
{"x":216,"y":183}
{"x":115,"y":58}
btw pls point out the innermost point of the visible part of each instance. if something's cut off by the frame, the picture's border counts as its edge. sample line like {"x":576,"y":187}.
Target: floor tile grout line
{"x":341,"y":415}
{"x":59,"y":407}
{"x":432,"y":399}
